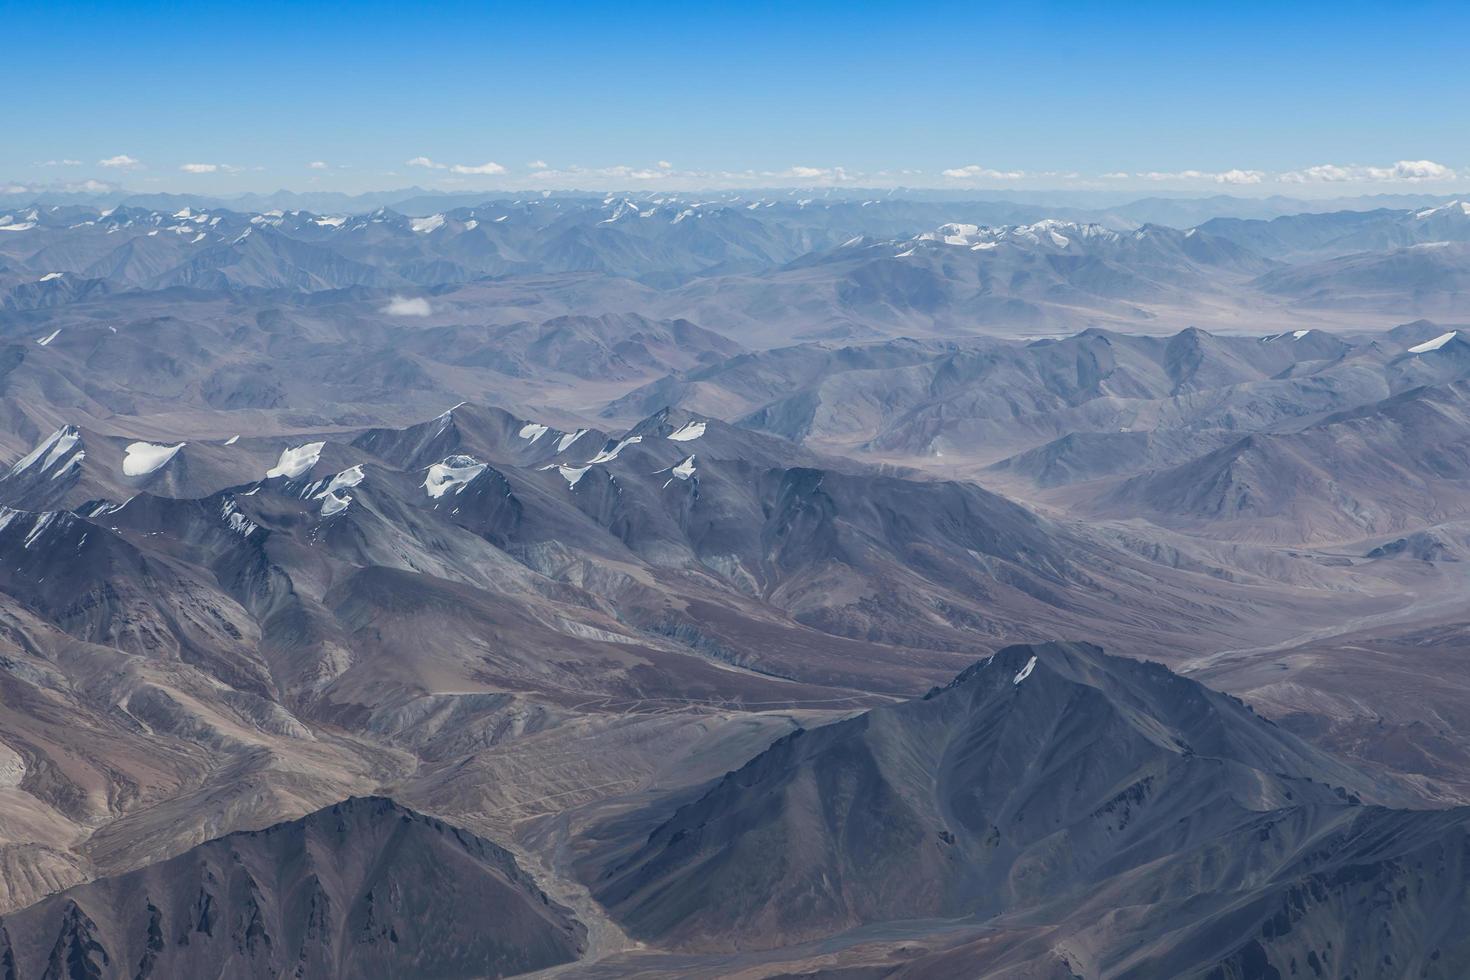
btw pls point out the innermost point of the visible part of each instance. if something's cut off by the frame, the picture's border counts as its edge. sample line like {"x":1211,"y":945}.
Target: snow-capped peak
{"x":1453,"y":207}
{"x":51,"y":451}
{"x":1053,"y":232}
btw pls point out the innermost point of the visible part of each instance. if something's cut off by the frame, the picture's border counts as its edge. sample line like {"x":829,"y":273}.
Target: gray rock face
{"x":1385,"y":467}
{"x":364,"y":888}
{"x":1051,"y":776}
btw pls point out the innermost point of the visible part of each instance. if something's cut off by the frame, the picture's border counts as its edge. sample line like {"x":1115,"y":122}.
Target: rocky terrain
{"x":1045,"y":788}
{"x":683,"y":586}
{"x":362,"y":888}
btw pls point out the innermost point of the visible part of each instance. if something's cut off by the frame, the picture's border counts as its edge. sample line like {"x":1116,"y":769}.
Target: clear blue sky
{"x":1059,"y":93}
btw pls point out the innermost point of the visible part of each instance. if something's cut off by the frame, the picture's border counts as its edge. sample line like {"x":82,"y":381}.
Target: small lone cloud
{"x":317,"y":165}
{"x":537,"y":165}
{"x":408,"y":306}
{"x":210,"y":168}
{"x":121,"y":162}
{"x":490,"y":168}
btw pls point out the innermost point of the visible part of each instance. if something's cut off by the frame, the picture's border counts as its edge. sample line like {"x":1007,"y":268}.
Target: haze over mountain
{"x":476,"y":586}
{"x":735,"y":492}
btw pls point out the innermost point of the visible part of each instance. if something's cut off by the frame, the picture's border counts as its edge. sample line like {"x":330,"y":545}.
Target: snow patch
{"x":533,"y":431}
{"x":295,"y":462}
{"x":688,"y":431}
{"x":451,"y":475}
{"x":572,"y":474}
{"x":568,"y":439}
{"x":235,"y":520}
{"x":43,"y":522}
{"x":426,"y":225}
{"x":612,"y":450}
{"x":1434,"y":344}
{"x":1025,"y":671}
{"x":50,"y":276}
{"x":333,"y":504}
{"x":57,"y":445}
{"x":68,"y":466}
{"x":146,"y":457}
{"x":46,"y":340}
{"x":349,"y":477}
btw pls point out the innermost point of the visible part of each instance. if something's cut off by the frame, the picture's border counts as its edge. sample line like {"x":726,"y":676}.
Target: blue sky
{"x":1242,"y":97}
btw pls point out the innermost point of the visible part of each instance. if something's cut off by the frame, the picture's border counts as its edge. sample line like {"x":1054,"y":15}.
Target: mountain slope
{"x":364,"y":888}
{"x":1050,"y":778}
{"x":1387,"y":467}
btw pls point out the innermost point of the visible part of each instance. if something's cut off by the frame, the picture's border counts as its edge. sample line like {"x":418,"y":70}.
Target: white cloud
{"x":820,"y":175}
{"x":1240,"y":177}
{"x":1413,"y":170}
{"x":88,"y":186}
{"x":490,"y":168}
{"x":586,"y":177}
{"x":407,"y":306}
{"x":976,"y":172}
{"x":1409,"y":170}
{"x":665,"y":165}
{"x":1235,"y":176}
{"x":61,"y":163}
{"x":1321,"y":172}
{"x":317,"y":165}
{"x":121,"y":162}
{"x":537,"y":165}
{"x":211,"y":168}
{"x":635,"y":173}
{"x":1118,"y":175}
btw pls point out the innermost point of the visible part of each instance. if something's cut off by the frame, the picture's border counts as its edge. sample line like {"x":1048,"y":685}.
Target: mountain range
{"x":675,"y":585}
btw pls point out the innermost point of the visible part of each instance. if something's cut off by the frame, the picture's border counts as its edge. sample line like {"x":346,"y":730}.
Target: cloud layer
{"x":1329,"y":178}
